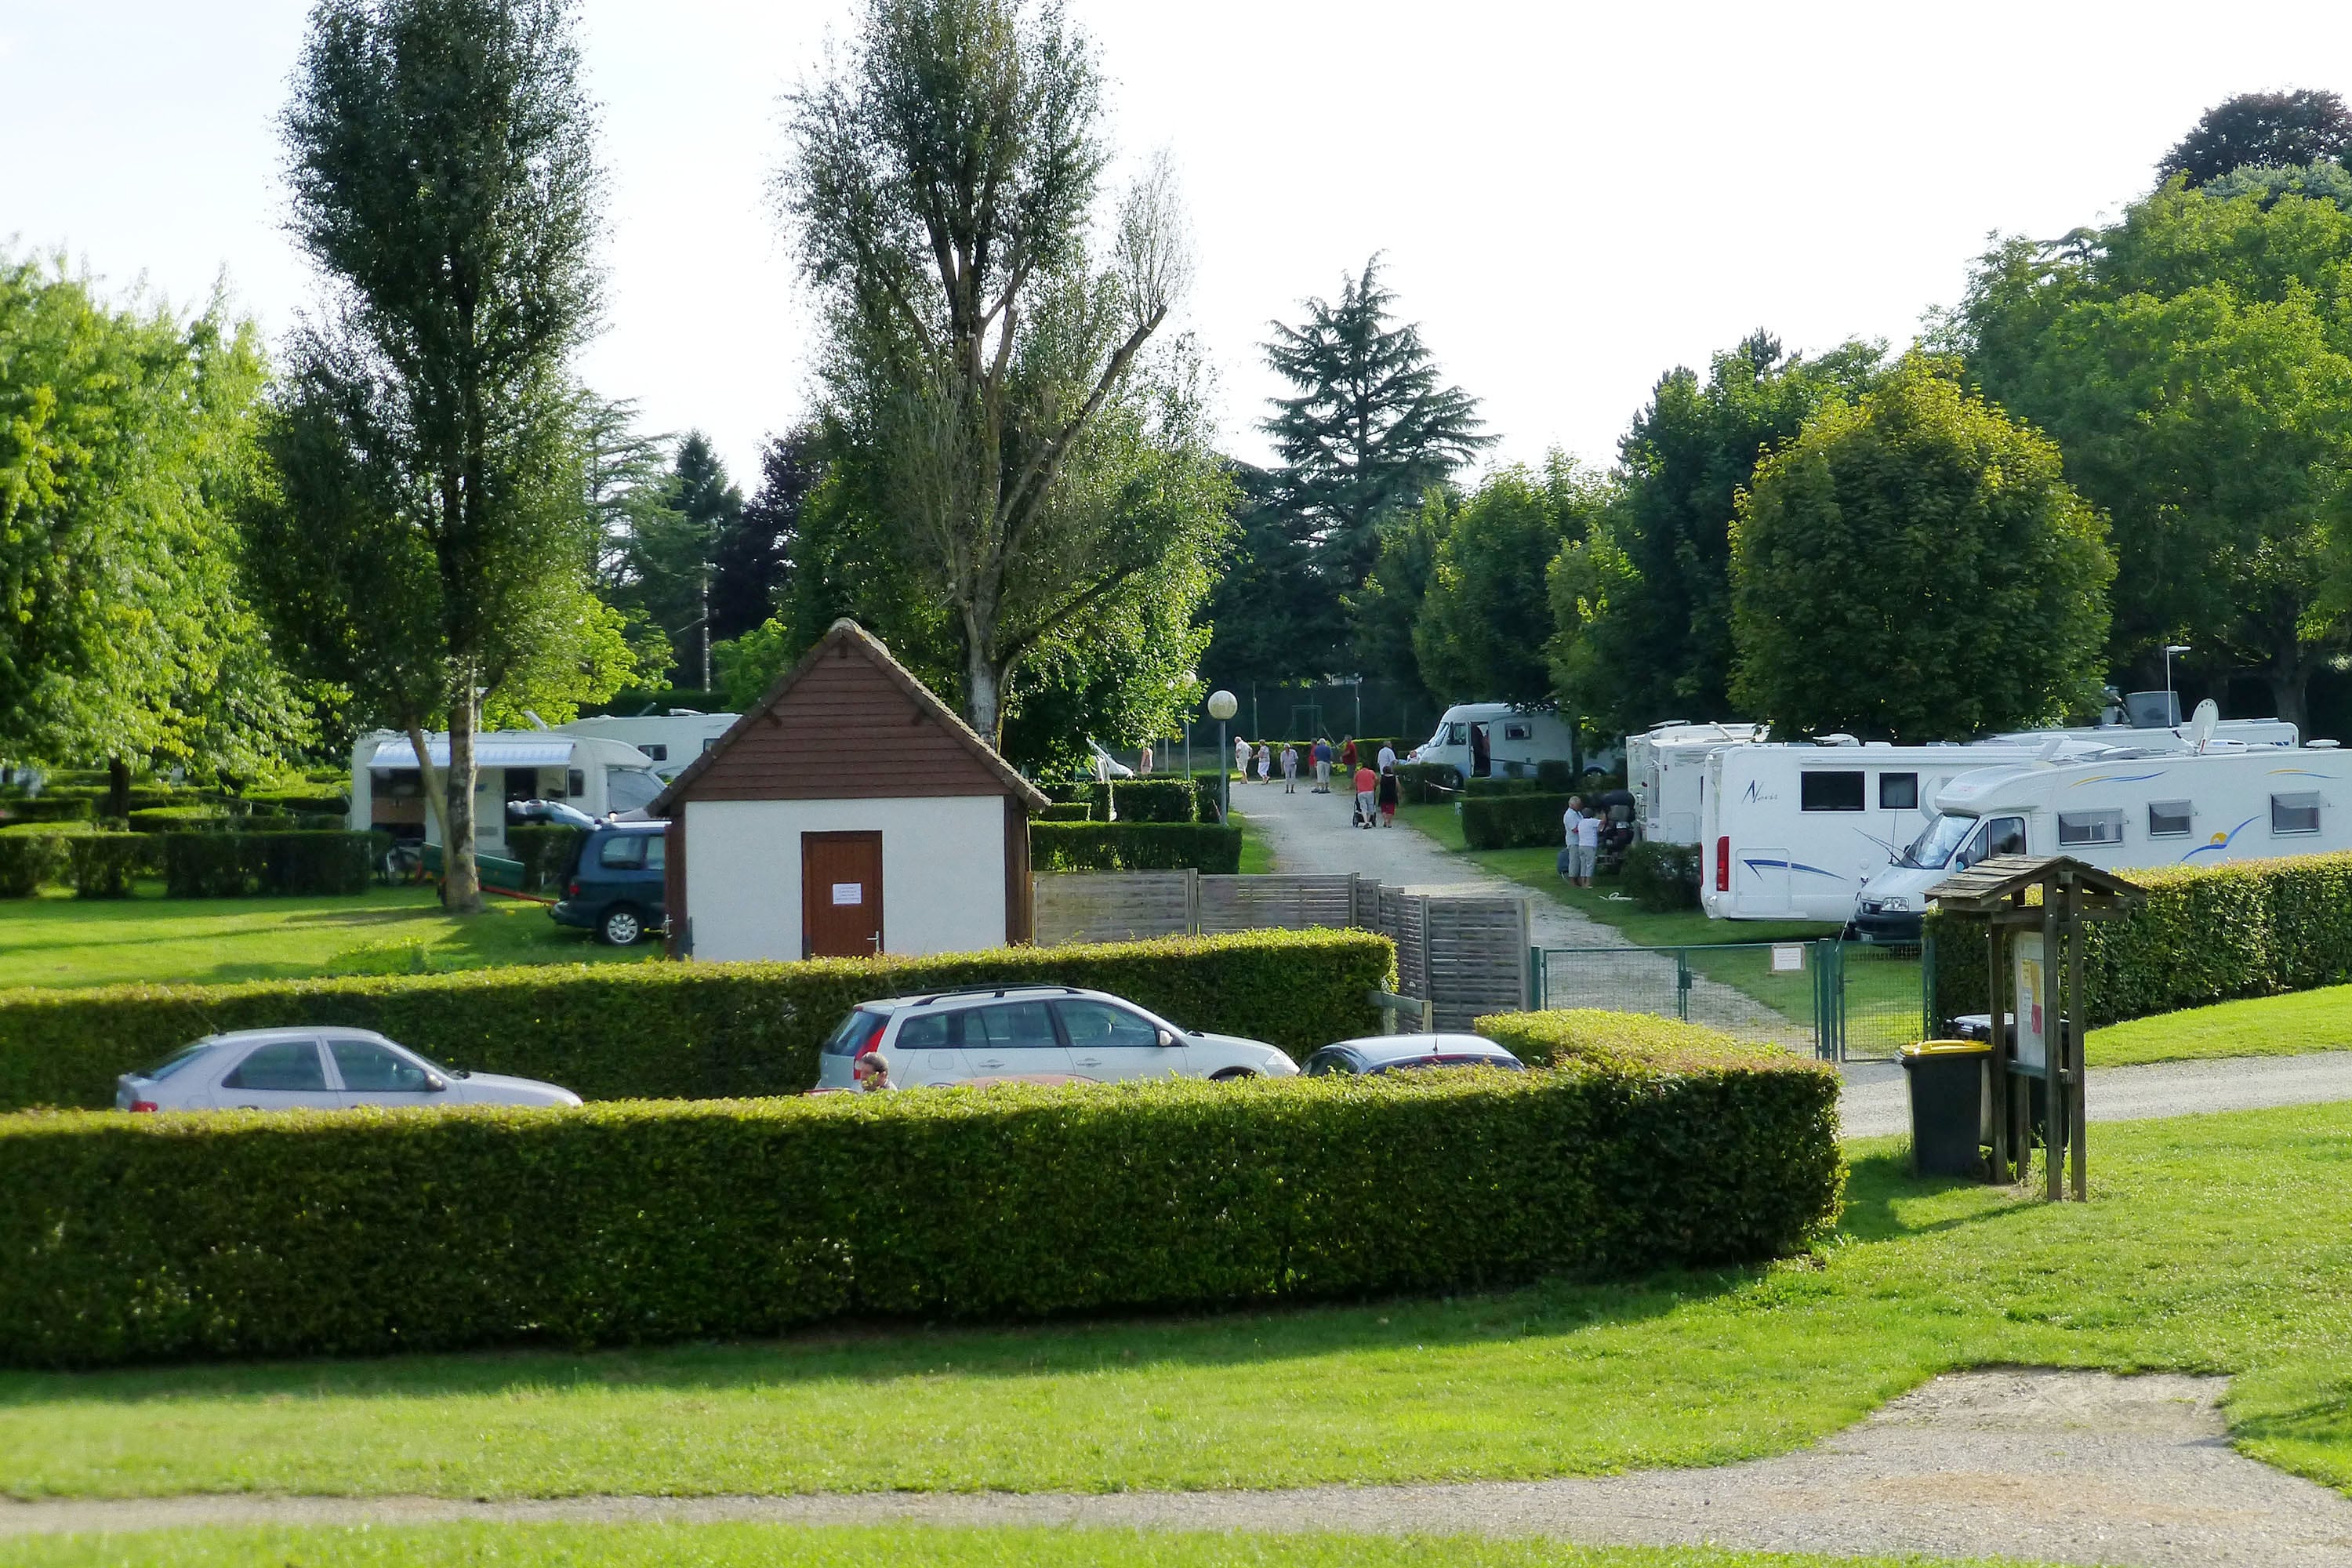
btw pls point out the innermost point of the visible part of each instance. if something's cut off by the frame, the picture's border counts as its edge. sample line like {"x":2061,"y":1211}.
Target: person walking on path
{"x":1265,"y":762}
{"x":1367,"y":796}
{"x":1348,"y":755}
{"x":1588,"y":846}
{"x":1322,"y":764}
{"x":1388,"y":789}
{"x":1240,"y":758}
{"x":1388,"y":757}
{"x":1289,"y":768}
{"x":1143,"y":763}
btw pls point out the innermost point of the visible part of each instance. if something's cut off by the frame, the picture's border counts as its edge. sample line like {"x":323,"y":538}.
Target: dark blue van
{"x":613,"y":885}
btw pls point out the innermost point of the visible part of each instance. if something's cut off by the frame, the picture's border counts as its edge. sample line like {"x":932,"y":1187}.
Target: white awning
{"x":490,"y":752}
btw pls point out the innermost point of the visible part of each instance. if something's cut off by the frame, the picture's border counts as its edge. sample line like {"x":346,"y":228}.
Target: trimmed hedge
{"x":28,"y":860}
{"x":104,"y":865}
{"x":299,"y":802}
{"x":2251,"y":928}
{"x":1661,"y":877}
{"x":1205,"y":847}
{"x":1514,"y":821}
{"x":1146,"y":800}
{"x":545,"y":851}
{"x":1428,"y":784}
{"x":1557,"y":775}
{"x":685,"y":1030}
{"x":141,"y":1237}
{"x":1505,"y":784}
{"x":1076,"y":811}
{"x":243,"y":864}
{"x":47,"y":808}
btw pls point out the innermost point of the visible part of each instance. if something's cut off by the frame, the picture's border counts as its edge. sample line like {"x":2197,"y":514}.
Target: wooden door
{"x":841,"y":895}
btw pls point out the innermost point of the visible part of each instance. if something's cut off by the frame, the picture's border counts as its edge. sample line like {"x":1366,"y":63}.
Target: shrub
{"x":47,"y":808}
{"x":2251,"y":928}
{"x":1513,"y":821}
{"x":183,"y":819}
{"x":29,"y":859}
{"x":1057,"y":811}
{"x":686,"y":1030}
{"x":1500,"y":784}
{"x":1661,"y":877}
{"x":240,"y":865}
{"x":1556,"y":775}
{"x":1146,"y":800}
{"x":1205,"y":847}
{"x":104,"y":865}
{"x":545,"y":851}
{"x":137,"y":1238}
{"x":299,"y":802}
{"x":1206,"y":800}
{"x":1427,"y":784}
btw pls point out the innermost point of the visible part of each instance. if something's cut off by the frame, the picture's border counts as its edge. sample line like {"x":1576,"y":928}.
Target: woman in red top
{"x":1367,"y":785}
{"x":1347,"y":757}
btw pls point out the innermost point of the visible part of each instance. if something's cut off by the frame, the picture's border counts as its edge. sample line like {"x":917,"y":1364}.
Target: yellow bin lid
{"x":1948,"y":1048}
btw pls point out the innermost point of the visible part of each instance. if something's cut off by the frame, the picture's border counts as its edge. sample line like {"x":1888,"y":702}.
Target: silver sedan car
{"x":315,"y":1068}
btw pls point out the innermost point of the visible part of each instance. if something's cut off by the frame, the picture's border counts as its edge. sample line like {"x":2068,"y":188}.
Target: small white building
{"x":849,"y":812}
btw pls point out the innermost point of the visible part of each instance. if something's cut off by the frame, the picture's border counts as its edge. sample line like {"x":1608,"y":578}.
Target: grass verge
{"x":882,"y":1546}
{"x":58,"y":940}
{"x":2257,"y":1027}
{"x":2215,"y":1244}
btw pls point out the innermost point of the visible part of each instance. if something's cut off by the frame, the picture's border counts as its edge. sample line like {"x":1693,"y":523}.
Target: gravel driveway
{"x":2055,"y":1467}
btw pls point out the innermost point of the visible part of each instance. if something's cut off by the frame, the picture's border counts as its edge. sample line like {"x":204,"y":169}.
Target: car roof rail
{"x":997,"y":988}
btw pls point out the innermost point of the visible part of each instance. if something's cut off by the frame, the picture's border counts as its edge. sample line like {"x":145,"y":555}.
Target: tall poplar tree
{"x":444,"y":182}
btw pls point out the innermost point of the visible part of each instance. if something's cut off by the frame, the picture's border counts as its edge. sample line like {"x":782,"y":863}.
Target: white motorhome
{"x":598,"y":776}
{"x":1665,"y":769}
{"x":2120,"y":811}
{"x":670,"y":739}
{"x":1497,"y":740}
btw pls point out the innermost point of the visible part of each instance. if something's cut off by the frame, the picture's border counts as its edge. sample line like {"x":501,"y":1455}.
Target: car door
{"x":1006,"y":1039}
{"x":372,"y":1073}
{"x":928,"y":1048}
{"x":1111,"y":1043}
{"x":278,"y":1075}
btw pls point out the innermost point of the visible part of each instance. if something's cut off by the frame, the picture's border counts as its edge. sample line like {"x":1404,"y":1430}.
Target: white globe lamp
{"x":1221,"y":707}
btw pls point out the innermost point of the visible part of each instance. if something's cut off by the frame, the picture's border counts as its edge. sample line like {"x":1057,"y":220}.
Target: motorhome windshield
{"x":1933,"y":848}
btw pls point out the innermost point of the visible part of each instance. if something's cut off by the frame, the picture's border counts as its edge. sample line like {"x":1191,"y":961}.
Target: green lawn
{"x":2217,"y":1243}
{"x":2258,"y":1026}
{"x":58,"y":940}
{"x":886,"y":1546}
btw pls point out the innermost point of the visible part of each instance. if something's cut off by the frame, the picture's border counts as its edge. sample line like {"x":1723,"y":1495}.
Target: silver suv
{"x":1048,"y":1034}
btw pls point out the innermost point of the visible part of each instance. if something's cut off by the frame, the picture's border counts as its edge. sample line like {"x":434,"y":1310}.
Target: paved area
{"x":2061,"y":1467}
{"x":1874,"y":1103}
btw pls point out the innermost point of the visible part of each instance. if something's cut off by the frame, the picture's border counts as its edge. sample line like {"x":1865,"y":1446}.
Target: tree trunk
{"x":461,"y":879}
{"x":434,"y":800}
{"x":2290,"y":682}
{"x":117,"y":788}
{"x":983,"y":692}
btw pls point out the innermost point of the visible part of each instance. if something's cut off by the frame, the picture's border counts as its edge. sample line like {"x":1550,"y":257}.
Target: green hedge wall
{"x":28,"y":860}
{"x":1146,"y":800}
{"x":243,"y":865}
{"x":141,"y":1237}
{"x":545,"y":850}
{"x":46,"y":808}
{"x":2253,"y":928}
{"x":1514,"y":821}
{"x":1057,"y":811}
{"x":1427,"y":784}
{"x":1661,"y":877}
{"x":104,"y":865}
{"x":685,"y":1030}
{"x":1504,"y":785}
{"x":1204,"y":847}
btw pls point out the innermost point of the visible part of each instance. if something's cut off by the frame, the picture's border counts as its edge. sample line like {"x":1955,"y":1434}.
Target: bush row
{"x":47,"y":808}
{"x":1204,"y":847}
{"x":1059,"y":811}
{"x":2253,"y":928}
{"x":1428,"y":784}
{"x":1517,"y":821}
{"x":1145,"y":800}
{"x":241,"y":865}
{"x":1661,"y":877}
{"x":685,"y":1030}
{"x":357,"y":1233}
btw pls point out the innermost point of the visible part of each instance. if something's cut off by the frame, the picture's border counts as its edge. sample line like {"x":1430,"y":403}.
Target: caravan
{"x":1665,"y":769}
{"x":669,"y":741}
{"x":596,"y":776}
{"x":2118,"y":812}
{"x":1482,"y":740}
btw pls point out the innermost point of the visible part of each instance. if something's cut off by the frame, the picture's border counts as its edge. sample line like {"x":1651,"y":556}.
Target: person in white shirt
{"x":1387,"y":758}
{"x":1289,"y":768}
{"x":1265,"y":763}
{"x":1240,"y":758}
{"x":1587,"y":847}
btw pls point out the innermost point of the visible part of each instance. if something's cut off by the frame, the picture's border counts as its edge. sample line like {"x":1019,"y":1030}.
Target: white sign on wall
{"x":2033,"y":1000}
{"x":849,"y":893}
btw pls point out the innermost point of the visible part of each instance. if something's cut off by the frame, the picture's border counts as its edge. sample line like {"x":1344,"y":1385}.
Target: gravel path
{"x":2059,"y":1467}
{"x":1874,"y":1103}
{"x":1311,"y":834}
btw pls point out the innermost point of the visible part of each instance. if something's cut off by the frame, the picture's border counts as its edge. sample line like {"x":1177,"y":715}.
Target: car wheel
{"x":1231,"y":1074}
{"x":620,"y":927}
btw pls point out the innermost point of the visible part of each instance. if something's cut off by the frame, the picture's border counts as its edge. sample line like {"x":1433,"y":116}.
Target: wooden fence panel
{"x":1477,"y":954}
{"x":1115,"y":906}
{"x":1285,"y":902}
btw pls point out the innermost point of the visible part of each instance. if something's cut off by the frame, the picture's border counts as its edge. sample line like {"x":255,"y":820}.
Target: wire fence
{"x":1843,"y":1001}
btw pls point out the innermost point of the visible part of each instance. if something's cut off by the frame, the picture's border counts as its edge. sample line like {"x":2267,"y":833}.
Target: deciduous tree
{"x":1486,"y":590}
{"x":2274,"y":128}
{"x":1915,"y":565}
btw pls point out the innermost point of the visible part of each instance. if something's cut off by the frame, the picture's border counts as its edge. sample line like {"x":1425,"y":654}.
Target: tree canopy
{"x":1914,"y":567}
{"x":1478,"y":635}
{"x":2274,"y":128}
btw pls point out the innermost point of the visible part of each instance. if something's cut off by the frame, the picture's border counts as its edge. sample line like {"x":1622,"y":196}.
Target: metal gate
{"x":1842,"y":1001}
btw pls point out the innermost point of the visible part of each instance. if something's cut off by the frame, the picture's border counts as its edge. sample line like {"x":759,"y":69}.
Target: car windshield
{"x":175,"y":1062}
{"x":1934,"y":847}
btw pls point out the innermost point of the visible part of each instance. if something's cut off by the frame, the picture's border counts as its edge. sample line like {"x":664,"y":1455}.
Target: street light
{"x":2172,"y":706}
{"x":1221,"y":707}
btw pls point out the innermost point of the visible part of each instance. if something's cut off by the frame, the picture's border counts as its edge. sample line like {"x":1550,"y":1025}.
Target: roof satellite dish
{"x":2051,"y":748}
{"x":2201,"y":724}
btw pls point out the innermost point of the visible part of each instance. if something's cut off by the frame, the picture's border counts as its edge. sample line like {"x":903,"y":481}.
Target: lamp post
{"x":1223,"y":707}
{"x":2171,"y":706}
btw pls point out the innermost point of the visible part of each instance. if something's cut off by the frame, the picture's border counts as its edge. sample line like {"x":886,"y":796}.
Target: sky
{"x":1569,"y":199}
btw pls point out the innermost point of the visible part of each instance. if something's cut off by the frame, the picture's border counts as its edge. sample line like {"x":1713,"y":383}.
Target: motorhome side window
{"x":2295,"y":813}
{"x":2090,"y":827}
{"x":2169,"y":818}
{"x":1513,"y":732}
{"x":660,"y":753}
{"x":1898,"y":791}
{"x":1824,"y":790}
